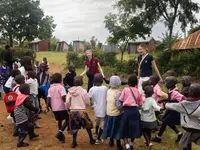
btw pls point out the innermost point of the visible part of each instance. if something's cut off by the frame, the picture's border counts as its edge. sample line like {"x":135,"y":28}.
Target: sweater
{"x":148,"y":110}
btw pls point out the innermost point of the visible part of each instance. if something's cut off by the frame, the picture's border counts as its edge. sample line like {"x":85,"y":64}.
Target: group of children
{"x":119,"y":114}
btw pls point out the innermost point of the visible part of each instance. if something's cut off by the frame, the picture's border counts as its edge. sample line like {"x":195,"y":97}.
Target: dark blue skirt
{"x":130,"y":126}
{"x":111,"y":127}
{"x":171,"y":117}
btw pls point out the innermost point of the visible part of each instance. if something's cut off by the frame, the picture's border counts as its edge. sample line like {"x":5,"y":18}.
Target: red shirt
{"x":94,"y":68}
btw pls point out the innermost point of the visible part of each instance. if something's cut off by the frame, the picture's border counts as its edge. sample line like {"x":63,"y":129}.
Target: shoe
{"x":74,"y":145}
{"x":95,"y":136}
{"x":98,"y":142}
{"x":111,"y":143}
{"x":20,"y":143}
{"x":156,"y":139}
{"x":149,"y":146}
{"x":179,"y":137}
{"x":37,"y":126}
{"x":61,"y":137}
{"x":31,"y":133}
{"x":92,"y":141}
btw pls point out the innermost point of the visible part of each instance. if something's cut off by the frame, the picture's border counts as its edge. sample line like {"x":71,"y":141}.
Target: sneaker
{"x":149,"y":146}
{"x":98,"y":142}
{"x":92,"y":141}
{"x":95,"y":136}
{"x":179,"y":137}
{"x":37,"y":126}
{"x":156,"y":139}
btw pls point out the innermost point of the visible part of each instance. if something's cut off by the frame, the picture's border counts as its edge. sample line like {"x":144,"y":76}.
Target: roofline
{"x":135,"y":42}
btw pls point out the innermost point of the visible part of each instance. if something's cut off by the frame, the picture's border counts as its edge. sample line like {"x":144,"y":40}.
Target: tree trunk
{"x":10,"y":40}
{"x":170,"y":37}
{"x":122,"y":58}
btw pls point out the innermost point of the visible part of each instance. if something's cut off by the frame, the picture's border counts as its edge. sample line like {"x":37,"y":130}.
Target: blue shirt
{"x":146,"y":66}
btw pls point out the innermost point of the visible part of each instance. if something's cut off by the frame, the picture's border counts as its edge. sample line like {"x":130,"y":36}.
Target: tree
{"x":122,"y":30}
{"x":93,"y":42}
{"x":46,"y":28}
{"x":53,"y":43}
{"x":192,"y":30}
{"x":167,"y":11}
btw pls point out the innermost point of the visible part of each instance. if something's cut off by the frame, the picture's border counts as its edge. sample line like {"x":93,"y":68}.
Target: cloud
{"x":82,"y":19}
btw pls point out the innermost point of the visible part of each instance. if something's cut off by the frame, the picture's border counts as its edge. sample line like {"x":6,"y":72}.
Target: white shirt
{"x":17,"y":63}
{"x":33,"y":83}
{"x":98,"y":94}
{"x":23,"y":71}
{"x":148,"y":110}
{"x":9,"y":82}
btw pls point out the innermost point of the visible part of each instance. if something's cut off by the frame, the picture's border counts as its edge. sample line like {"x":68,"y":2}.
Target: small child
{"x":20,"y":112}
{"x":170,"y":73}
{"x":113,"y":117}
{"x":186,"y":82}
{"x":4,"y":75}
{"x":114,"y":74}
{"x":148,"y":116}
{"x":16,"y":64}
{"x":69,"y":77}
{"x":37,"y":67}
{"x":76,"y":101}
{"x":43,"y":75}
{"x":190,"y":117}
{"x":171,"y":118}
{"x":46,"y":63}
{"x":98,"y":95}
{"x":130,"y":126}
{"x":56,"y":99}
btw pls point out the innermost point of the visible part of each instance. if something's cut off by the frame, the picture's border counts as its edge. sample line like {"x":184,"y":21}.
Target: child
{"x":69,"y":77}
{"x":37,"y":67}
{"x":76,"y":102}
{"x":46,"y":63}
{"x":113,"y":117}
{"x":114,"y":74}
{"x":171,"y":118}
{"x":170,"y":73}
{"x":16,"y":64}
{"x":148,"y":116}
{"x":190,"y":117}
{"x":98,"y":94}
{"x":186,"y":82}
{"x":43,"y":75}
{"x":4,"y":75}
{"x":20,"y":112}
{"x":130,"y":126}
{"x":56,"y":98}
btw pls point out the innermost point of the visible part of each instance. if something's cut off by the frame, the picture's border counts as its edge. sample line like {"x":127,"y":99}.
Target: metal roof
{"x":141,"y":40}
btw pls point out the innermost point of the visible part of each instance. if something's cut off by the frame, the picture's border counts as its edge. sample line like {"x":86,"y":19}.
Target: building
{"x":109,"y":48}
{"x":133,"y":45}
{"x":79,"y":46}
{"x":40,"y":45}
{"x":190,"y":42}
{"x":62,"y":46}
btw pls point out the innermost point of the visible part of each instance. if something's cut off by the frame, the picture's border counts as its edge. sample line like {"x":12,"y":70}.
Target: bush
{"x":128,"y":67}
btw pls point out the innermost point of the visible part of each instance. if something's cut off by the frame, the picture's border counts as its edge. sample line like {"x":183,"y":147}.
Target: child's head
{"x":186,"y":81}
{"x":78,"y":81}
{"x":15,"y":72}
{"x":142,"y":49}
{"x":71,"y":68}
{"x":170,"y":73}
{"x":132,"y":80}
{"x":42,"y":67}
{"x":7,"y":47}
{"x":114,"y":74}
{"x":37,"y":63}
{"x":98,"y":80}
{"x":57,"y":78}
{"x":19,"y":79}
{"x":32,"y":75}
{"x":171,"y":82}
{"x":4,"y":63}
{"x":148,"y":91}
{"x":24,"y":89}
{"x":145,"y":84}
{"x":115,"y":82}
{"x":195,"y":91}
{"x":154,"y":79}
{"x":88,"y":54}
{"x":51,"y":79}
{"x":45,"y":60}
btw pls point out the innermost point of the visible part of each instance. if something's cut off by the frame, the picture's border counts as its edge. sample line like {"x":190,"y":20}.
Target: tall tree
{"x":167,"y":11}
{"x":192,"y":30}
{"x":46,"y":28}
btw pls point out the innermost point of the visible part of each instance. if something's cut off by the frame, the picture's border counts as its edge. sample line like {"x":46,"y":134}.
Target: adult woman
{"x":92,"y":67}
{"x":145,"y":62}
{"x":26,"y":66}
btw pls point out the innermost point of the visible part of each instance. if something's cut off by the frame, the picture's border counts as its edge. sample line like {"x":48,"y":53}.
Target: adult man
{"x":7,"y":57}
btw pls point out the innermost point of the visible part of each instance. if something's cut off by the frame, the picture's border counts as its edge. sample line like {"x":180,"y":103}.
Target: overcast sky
{"x":81,"y":19}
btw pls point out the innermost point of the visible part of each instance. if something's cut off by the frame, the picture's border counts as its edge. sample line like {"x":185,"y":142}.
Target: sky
{"x":82,"y":19}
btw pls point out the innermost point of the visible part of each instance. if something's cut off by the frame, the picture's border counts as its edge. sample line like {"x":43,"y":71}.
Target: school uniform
{"x":130,"y":126}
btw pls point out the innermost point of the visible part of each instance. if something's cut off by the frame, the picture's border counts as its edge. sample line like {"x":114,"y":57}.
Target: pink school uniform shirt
{"x":56,"y":92}
{"x":127,"y":97}
{"x":157,"y":94}
{"x":176,"y":95}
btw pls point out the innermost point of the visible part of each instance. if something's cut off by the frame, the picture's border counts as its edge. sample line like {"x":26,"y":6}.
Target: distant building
{"x":190,"y":42}
{"x":109,"y":48}
{"x":133,"y":45}
{"x":79,"y":46}
{"x":40,"y":45}
{"x":62,"y":46}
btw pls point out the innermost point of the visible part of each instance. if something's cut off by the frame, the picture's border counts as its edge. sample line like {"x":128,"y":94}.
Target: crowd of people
{"x":120,"y":115}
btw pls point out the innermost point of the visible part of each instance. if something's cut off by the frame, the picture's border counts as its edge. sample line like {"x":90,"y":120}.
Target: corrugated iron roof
{"x":190,"y":42}
{"x":141,"y":40}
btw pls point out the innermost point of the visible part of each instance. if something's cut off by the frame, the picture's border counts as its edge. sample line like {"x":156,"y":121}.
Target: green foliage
{"x":53,"y":43}
{"x":192,"y":30}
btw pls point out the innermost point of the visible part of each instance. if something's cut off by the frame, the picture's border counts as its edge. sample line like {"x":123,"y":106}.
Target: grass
{"x":58,"y":61}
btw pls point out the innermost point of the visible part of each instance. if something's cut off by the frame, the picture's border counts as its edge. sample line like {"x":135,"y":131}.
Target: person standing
{"x":92,"y":67}
{"x":7,"y":57}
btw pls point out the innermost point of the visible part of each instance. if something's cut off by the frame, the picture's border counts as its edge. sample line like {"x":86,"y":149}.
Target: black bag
{"x":89,"y":73}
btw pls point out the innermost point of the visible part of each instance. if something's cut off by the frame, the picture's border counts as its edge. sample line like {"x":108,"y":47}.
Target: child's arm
{"x":163,"y":95}
{"x":27,"y":103}
{"x":68,"y":101}
{"x":124,"y":83}
{"x":118,"y":102}
{"x":106,"y":81}
{"x":86,"y":98}
{"x":176,"y":107}
{"x":64,"y":98}
{"x":48,"y":102}
{"x":155,"y":106}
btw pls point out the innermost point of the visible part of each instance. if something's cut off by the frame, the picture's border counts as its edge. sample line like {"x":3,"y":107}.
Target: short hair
{"x":171,"y":81}
{"x":132,"y":80}
{"x":98,"y":79}
{"x":154,"y":79}
{"x":7,"y":47}
{"x":71,"y":67}
{"x":115,"y":82}
{"x":170,"y":73}
{"x":186,"y":81}
{"x":32,"y":74}
{"x":78,"y":81}
{"x":24,"y":89}
{"x":57,"y":78}
{"x":195,"y":90}
{"x":15,"y":72}
{"x":148,"y":90}
{"x":20,"y":79}
{"x":44,"y":58}
{"x":145,"y":84}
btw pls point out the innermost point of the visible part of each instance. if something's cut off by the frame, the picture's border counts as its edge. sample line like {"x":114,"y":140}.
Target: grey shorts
{"x":100,"y":122}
